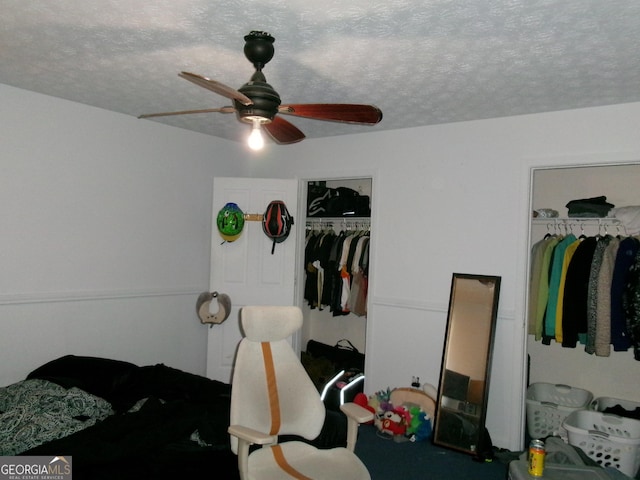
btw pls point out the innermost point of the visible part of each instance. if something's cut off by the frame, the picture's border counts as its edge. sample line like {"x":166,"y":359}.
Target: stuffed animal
{"x":381,"y":402}
{"x":362,"y":400}
{"x":419,"y":427}
{"x":413,"y":396}
{"x":404,"y":413}
{"x":393,"y":422}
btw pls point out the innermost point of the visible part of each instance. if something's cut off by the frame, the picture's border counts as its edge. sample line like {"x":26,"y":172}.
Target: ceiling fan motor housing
{"x":265,"y":100}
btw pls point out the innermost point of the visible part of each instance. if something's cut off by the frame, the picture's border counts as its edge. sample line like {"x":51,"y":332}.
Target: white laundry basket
{"x":601,"y":404}
{"x":610,"y":440}
{"x":549,"y":404}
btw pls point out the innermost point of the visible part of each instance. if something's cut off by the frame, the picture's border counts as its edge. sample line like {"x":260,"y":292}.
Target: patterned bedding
{"x":33,"y":412}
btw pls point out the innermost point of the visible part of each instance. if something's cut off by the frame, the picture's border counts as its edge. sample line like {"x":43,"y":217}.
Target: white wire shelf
{"x":569,"y":223}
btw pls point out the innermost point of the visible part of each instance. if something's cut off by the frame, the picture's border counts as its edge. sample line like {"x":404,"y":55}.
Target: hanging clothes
{"x":586,"y":290}
{"x":543,"y":253}
{"x":337,"y":271}
{"x":631,"y":302}
{"x":625,"y":258}
{"x":602,"y":340}
{"x":568,"y":255}
{"x":359,"y":277}
{"x":592,"y":292}
{"x":576,"y":288}
{"x":555,"y":276}
{"x":537,"y":251}
{"x":543,"y":287}
{"x":311,"y":270}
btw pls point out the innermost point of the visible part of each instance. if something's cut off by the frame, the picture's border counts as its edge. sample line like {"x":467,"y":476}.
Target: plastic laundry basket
{"x":610,"y":440}
{"x":601,"y":404}
{"x":549,"y":404}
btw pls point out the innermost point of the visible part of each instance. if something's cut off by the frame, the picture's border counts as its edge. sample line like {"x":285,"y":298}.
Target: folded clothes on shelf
{"x":589,"y":207}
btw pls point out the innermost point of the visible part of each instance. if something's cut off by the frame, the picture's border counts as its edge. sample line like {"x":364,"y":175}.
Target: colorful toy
{"x":381,"y":402}
{"x":419,"y":427}
{"x":403,"y":413}
{"x":362,"y":400}
{"x":393,"y":422}
{"x":413,"y":396}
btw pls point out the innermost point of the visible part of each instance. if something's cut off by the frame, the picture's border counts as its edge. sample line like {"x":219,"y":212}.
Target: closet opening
{"x":604,"y":372}
{"x":335,"y":271}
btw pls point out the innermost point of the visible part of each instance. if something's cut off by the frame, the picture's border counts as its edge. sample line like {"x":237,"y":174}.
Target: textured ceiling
{"x":421,"y":62}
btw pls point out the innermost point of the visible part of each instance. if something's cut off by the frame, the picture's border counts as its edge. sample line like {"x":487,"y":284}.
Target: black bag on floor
{"x":343,"y":355}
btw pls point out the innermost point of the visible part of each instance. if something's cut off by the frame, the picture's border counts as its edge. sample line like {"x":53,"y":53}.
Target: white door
{"x":245,"y":269}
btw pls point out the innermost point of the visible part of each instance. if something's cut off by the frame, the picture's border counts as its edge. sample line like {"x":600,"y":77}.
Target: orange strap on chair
{"x":284,"y":465}
{"x":274,"y":401}
{"x":274,"y":405}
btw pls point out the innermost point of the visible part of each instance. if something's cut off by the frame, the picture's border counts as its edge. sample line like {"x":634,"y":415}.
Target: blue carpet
{"x":388,"y":460}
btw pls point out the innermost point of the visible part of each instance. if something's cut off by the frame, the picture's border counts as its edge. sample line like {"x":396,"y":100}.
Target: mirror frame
{"x":464,"y":411}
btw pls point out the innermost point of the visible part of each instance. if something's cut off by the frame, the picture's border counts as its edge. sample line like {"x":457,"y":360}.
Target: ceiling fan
{"x":258,"y":104}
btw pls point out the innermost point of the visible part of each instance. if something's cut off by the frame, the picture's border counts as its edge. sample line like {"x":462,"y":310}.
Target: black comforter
{"x":164,"y":424}
{"x":168,"y":424}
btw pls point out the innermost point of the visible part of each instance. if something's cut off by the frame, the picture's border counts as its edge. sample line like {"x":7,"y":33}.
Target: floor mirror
{"x":466,"y":364}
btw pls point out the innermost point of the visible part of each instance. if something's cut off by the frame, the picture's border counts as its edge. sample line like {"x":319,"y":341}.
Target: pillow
{"x":99,"y":376}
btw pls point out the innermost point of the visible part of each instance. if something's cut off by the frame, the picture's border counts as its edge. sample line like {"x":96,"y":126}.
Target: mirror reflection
{"x":464,"y":378}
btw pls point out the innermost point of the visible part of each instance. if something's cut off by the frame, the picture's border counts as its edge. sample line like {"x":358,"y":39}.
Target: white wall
{"x":104,"y":234}
{"x":452,"y":198}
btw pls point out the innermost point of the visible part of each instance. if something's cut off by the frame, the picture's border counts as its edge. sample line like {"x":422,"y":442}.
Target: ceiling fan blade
{"x":336,"y":112}
{"x":283,"y":132}
{"x":189,"y":112}
{"x":217,"y":87}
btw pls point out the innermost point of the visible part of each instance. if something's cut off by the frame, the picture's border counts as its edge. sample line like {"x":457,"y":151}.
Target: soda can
{"x":536,"y":458}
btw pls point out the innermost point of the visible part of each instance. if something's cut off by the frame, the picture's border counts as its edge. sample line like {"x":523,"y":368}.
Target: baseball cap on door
{"x":230,"y":222}
{"x":277,"y":222}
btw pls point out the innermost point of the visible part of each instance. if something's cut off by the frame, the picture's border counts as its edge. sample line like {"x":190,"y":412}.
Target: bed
{"x":119,"y":420}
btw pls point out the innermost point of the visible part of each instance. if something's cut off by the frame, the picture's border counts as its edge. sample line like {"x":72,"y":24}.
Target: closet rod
{"x":568,"y":222}
{"x":578,"y":220}
{"x":345,"y":222}
{"x":338,"y":219}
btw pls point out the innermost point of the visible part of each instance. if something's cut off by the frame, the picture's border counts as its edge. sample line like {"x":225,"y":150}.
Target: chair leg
{"x":243,"y":458}
{"x":352,"y":433}
{"x":355,"y":416}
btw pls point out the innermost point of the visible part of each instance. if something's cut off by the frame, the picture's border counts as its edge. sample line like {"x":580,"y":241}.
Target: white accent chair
{"x":273,"y":395}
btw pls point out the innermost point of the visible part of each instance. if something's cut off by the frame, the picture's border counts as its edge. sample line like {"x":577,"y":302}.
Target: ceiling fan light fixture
{"x":256,"y":140}
{"x":257,"y":103}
